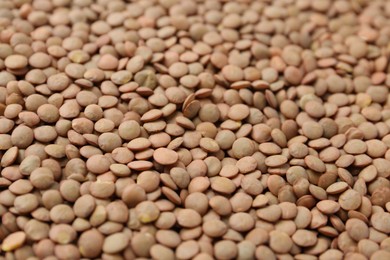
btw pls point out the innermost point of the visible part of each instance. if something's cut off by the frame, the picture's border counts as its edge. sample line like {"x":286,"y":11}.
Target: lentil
{"x":194,"y":129}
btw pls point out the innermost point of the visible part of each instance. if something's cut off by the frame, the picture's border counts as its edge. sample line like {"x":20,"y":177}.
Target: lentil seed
{"x":194,"y":129}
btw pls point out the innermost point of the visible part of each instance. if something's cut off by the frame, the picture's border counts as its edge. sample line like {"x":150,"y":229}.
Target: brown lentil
{"x":194,"y":129}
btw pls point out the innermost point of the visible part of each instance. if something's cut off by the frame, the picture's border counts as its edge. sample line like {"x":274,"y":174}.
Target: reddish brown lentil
{"x":179,"y":129}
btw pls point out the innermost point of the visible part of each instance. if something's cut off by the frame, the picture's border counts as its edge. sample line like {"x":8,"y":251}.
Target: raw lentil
{"x":194,"y":129}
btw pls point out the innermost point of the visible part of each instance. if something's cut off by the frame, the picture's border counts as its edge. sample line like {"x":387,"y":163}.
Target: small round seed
{"x":13,"y":241}
{"x":165,"y":156}
{"x":194,"y":129}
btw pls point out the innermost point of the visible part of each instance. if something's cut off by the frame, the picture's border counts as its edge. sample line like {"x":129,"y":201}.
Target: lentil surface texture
{"x":182,"y":129}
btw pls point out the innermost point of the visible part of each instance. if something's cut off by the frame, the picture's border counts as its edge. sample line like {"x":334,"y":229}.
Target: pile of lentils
{"x":183,"y":129}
